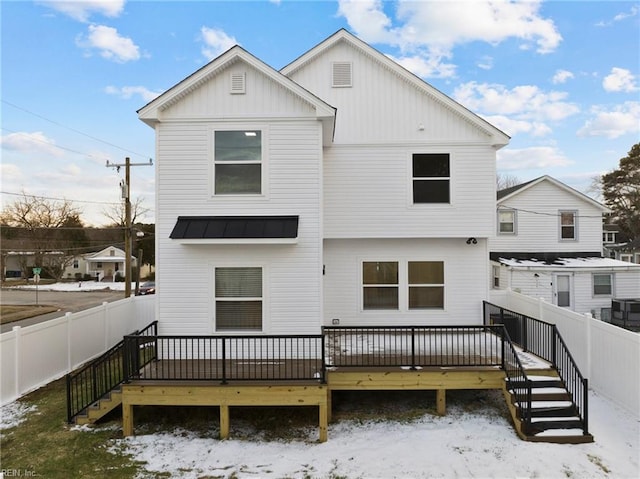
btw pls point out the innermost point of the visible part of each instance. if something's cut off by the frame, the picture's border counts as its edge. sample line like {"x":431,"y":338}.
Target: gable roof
{"x":498,"y":137}
{"x":507,"y":193}
{"x":152,"y":111}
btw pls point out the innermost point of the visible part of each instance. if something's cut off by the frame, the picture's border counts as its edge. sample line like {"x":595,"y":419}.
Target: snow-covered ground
{"x":74,"y":286}
{"x":462,"y":444}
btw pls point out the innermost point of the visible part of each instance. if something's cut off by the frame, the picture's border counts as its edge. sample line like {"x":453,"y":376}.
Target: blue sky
{"x":562,"y":78}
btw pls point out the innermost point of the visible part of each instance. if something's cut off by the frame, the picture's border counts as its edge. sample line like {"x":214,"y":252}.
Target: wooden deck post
{"x":323,"y":421}
{"x":329,"y":405}
{"x":127,"y":419}
{"x":224,"y":421}
{"x":441,"y":401}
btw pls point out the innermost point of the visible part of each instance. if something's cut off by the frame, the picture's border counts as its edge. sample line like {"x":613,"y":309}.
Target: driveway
{"x":65,"y":300}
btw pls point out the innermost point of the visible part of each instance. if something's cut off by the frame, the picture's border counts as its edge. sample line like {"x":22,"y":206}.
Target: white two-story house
{"x":548,"y":245}
{"x":341,"y":189}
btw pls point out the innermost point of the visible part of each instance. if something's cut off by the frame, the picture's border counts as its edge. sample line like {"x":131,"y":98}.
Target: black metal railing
{"x":544,"y":340}
{"x":227,"y":358}
{"x":413,"y":346}
{"x":101,"y":375}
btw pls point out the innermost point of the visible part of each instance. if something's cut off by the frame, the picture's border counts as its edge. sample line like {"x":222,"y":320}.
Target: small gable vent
{"x":341,"y":74}
{"x":238,"y":83}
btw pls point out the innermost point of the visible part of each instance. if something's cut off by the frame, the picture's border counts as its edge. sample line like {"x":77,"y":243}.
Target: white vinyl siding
{"x":538,"y":221}
{"x":292,"y":273}
{"x":464,"y":268}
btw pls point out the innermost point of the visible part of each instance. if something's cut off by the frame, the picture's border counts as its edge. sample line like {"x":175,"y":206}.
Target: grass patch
{"x":45,"y":446}
{"x":10,"y":313}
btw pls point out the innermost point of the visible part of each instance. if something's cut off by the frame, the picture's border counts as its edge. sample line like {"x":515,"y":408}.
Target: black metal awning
{"x":235,"y":227}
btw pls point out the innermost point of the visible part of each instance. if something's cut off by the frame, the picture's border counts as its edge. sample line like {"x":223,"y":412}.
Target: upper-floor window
{"x":380,"y":284}
{"x":76,"y":264}
{"x":495,"y":276}
{"x":237,"y":162}
{"x":603,"y":284}
{"x":568,"y":225}
{"x":608,"y":237}
{"x":238,"y":299}
{"x":431,"y":178}
{"x":506,"y":222}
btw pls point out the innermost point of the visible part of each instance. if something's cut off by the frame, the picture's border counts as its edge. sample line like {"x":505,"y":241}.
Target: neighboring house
{"x":548,"y":244}
{"x":106,"y":265}
{"x":340,"y":190}
{"x":628,"y":251}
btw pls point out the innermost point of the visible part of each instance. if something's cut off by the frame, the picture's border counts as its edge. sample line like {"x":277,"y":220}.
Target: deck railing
{"x":227,"y":358}
{"x":544,"y":340}
{"x":101,"y":375}
{"x":413,"y":346}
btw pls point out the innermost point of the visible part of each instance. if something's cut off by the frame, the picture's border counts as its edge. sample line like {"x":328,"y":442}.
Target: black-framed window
{"x":431,"y":178}
{"x":237,"y":162}
{"x":238,"y":299}
{"x":380,"y":285}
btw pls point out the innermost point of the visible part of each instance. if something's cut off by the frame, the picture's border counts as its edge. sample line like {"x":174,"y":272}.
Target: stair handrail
{"x":99,"y":376}
{"x":517,"y":380}
{"x":557,"y":354}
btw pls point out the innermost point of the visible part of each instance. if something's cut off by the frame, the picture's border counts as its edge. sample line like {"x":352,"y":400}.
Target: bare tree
{"x":505,"y":180}
{"x":49,"y":229}
{"x":117,"y":217}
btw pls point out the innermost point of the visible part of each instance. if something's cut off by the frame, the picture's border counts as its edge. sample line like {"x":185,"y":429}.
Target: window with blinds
{"x":238,"y":299}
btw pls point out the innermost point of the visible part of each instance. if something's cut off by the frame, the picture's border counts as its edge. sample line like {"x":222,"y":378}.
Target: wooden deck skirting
{"x":303,"y":393}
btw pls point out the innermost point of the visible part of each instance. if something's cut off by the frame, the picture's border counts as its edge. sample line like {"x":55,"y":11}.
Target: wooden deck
{"x":200,"y":385}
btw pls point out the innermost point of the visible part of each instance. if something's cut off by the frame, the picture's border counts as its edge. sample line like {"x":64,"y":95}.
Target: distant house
{"x":549,"y":243}
{"x":105,"y":265}
{"x":340,"y":190}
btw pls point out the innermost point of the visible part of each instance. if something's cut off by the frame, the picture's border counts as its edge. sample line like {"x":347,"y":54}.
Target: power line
{"x":73,"y":129}
{"x":110,"y":203}
{"x":544,"y":213}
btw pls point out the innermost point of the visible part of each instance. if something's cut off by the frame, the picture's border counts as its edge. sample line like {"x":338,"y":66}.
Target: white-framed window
{"x":602,"y":284}
{"x":608,"y":237}
{"x":380,"y":285}
{"x":238,"y":299}
{"x":568,"y":225}
{"x":495,"y":276}
{"x":76,"y":264}
{"x":238,"y":160}
{"x":626,"y":257}
{"x":431,"y":178}
{"x":506,"y":222}
{"x":402,"y":285}
{"x":426,"y":284}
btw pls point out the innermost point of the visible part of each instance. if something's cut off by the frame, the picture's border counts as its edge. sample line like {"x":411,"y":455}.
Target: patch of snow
{"x":13,"y":414}
{"x":76,"y":286}
{"x":460,"y":444}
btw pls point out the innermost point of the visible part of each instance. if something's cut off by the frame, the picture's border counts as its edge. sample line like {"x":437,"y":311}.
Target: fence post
{"x":541,"y":302}
{"x":69,"y":324}
{"x":16,"y":363}
{"x":588,"y":322}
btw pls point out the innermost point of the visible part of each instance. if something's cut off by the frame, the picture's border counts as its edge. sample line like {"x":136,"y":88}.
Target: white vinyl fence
{"x":607,"y":355}
{"x":33,"y":356}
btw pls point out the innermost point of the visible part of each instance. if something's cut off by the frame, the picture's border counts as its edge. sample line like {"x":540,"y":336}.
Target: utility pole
{"x":126,"y":195}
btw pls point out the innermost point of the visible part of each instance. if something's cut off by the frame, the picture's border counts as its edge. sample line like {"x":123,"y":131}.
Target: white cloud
{"x":110,"y":44}
{"x":485,"y":63}
{"x":527,"y":102}
{"x":561,"y":76}
{"x":10,"y":173}
{"x":433,"y":29}
{"x":127,"y":92}
{"x":620,"y":80}
{"x":633,"y":11}
{"x":512,"y":126}
{"x":216,"y":42}
{"x":81,"y":10}
{"x":535,"y":157}
{"x":35,"y":142}
{"x":623,"y":119}
{"x":426,"y":66}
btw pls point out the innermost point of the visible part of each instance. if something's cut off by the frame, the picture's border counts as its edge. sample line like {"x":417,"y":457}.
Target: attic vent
{"x":341,"y":74}
{"x":238,"y":83}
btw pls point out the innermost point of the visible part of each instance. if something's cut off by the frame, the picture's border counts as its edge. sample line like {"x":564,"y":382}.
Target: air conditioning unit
{"x":626,"y":313}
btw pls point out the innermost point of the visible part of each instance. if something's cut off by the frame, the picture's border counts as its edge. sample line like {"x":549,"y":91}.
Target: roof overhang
{"x":236,"y":230}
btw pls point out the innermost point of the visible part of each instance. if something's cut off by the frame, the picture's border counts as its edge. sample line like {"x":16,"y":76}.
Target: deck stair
{"x":554,"y":416}
{"x":100,"y":408}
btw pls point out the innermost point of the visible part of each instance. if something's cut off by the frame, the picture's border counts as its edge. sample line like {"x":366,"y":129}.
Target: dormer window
{"x":341,"y":75}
